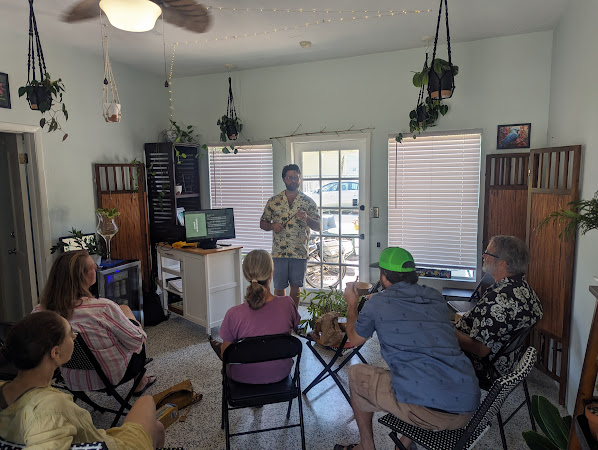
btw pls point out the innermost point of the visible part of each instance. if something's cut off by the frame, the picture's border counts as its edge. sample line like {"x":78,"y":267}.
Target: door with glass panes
{"x":335,"y":175}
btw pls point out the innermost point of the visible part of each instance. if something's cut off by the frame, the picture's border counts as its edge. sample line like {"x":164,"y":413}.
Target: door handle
{"x":12,"y":252}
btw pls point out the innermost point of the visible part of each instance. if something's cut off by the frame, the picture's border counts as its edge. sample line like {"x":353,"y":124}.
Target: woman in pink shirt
{"x":110,"y":330}
{"x":261,"y":314}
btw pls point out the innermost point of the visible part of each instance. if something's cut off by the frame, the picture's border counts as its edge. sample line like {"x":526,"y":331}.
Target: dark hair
{"x":397,"y":277}
{"x":294,"y":167}
{"x":258,"y":266}
{"x":67,"y":283}
{"x":30,"y":339}
{"x":513,"y":250}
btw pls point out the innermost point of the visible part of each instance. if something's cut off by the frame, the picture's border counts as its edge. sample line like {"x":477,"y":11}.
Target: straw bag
{"x":181,"y":395}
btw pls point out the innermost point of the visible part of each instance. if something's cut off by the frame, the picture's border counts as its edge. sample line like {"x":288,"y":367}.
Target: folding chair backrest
{"x":81,"y":359}
{"x":498,"y":393}
{"x":486,"y":281}
{"x":517,"y":340}
{"x":262,"y":348}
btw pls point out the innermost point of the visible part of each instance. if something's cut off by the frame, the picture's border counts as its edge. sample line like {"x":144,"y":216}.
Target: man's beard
{"x":292,"y":187}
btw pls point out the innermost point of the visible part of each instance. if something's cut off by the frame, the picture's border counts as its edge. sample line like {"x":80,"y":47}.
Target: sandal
{"x":150,"y":382}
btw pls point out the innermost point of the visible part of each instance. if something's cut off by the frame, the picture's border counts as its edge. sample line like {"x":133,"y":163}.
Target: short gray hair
{"x":512,"y":250}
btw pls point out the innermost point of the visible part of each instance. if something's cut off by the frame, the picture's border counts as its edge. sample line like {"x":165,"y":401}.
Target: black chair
{"x":462,"y":306}
{"x":7,"y":445}
{"x":84,"y":359}
{"x":467,"y":437}
{"x":515,"y":343}
{"x":237,"y":395}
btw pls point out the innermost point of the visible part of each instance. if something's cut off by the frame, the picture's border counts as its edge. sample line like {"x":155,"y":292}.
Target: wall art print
{"x":4,"y":91}
{"x":513,"y":136}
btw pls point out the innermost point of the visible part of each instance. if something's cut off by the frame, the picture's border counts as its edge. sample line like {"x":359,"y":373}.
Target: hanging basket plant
{"x":44,"y":95}
{"x":230,"y":125}
{"x":441,"y":75}
{"x":111,"y":109}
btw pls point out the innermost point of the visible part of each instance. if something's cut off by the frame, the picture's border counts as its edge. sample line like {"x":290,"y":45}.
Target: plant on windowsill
{"x":582,"y":215}
{"x":555,"y":428}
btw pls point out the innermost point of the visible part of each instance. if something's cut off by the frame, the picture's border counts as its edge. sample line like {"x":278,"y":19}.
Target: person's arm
{"x":352,"y":299}
{"x":313,"y":223}
{"x":116,"y":323}
{"x":471,"y":345}
{"x":268,"y":226}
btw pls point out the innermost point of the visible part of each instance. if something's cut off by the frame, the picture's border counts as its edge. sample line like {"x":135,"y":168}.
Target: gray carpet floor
{"x":181,"y":350}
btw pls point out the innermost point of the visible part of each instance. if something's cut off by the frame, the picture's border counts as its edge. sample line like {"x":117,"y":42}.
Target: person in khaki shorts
{"x":430,"y":382}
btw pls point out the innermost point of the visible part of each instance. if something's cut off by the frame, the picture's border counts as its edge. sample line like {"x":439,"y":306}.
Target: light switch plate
{"x":375,"y":212}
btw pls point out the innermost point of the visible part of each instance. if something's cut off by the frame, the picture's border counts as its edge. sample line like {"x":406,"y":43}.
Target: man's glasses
{"x":490,"y":254}
{"x":292,"y":178}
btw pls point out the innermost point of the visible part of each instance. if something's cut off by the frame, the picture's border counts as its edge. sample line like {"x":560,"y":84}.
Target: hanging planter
{"x":441,"y":77}
{"x":111,"y":109}
{"x":44,"y":95}
{"x":230,"y":125}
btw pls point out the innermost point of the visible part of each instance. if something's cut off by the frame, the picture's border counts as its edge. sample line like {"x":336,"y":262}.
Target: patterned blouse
{"x":292,"y":241}
{"x":507,"y":306}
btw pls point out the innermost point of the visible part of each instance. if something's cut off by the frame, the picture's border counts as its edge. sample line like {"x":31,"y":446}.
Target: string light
{"x":311,"y":11}
{"x":380,"y":14}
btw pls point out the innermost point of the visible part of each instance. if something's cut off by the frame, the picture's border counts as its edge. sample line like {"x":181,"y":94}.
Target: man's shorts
{"x":288,"y":270}
{"x":371,"y":390}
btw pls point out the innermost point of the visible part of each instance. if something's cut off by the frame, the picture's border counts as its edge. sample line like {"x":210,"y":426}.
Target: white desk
{"x":211,"y":281}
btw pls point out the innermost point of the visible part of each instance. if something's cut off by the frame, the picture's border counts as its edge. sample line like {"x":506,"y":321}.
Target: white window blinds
{"x":243,"y":181}
{"x":433,"y":191}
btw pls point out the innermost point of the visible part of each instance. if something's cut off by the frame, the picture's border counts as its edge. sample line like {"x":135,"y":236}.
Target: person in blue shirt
{"x":430,"y":383}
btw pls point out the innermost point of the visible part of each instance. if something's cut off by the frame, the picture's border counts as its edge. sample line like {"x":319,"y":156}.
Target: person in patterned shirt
{"x":290,"y":215}
{"x":507,"y":306}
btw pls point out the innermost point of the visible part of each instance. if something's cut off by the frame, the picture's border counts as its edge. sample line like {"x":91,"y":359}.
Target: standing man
{"x":290,"y":215}
{"x":507,"y":306}
{"x":429,"y":382}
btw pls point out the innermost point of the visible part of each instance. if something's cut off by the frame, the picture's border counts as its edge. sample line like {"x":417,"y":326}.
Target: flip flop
{"x":149,"y":383}
{"x":147,"y":361}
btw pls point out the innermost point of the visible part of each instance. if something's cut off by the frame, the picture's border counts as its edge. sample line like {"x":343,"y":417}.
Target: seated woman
{"x":262,"y":314}
{"x":111,"y":331}
{"x":34,"y":414}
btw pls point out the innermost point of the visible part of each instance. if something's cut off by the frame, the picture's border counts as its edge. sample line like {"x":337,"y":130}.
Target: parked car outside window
{"x":330,"y":199}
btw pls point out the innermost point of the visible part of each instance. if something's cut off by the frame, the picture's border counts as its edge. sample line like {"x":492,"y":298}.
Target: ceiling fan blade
{"x":187,"y":14}
{"x":84,"y":10}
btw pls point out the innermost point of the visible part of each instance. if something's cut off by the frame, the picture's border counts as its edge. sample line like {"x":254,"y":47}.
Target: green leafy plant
{"x":320,"y":303}
{"x":582,"y":215}
{"x":110,"y":213}
{"x":230,"y":128}
{"x":555,"y":428}
{"x":183,"y":135}
{"x":90,"y":243}
{"x":179,"y":155}
{"x":424,"y":116}
{"x":440,"y":65}
{"x":43,"y":96}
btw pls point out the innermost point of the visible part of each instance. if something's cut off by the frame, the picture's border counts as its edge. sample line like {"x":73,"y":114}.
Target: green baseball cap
{"x":395,"y":259}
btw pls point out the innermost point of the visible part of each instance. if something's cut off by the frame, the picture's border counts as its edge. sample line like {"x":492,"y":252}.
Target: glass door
{"x":334,"y":176}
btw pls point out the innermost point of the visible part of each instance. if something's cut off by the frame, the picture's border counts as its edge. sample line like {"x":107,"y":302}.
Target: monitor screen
{"x":209,"y":224}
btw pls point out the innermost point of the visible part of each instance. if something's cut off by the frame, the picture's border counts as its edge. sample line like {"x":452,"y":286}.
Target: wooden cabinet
{"x":170,"y":165}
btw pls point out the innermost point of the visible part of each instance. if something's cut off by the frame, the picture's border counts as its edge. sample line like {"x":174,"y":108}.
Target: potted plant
{"x":42,"y":96}
{"x":179,"y":135}
{"x":439,"y":77}
{"x":106,"y":227}
{"x":582,"y":215}
{"x":320,"y":303}
{"x":555,"y":428}
{"x":230,"y":127}
{"x":424,"y":116}
{"x":89,"y":243}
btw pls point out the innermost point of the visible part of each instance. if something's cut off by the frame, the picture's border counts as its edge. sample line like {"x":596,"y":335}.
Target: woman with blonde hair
{"x":261,"y":314}
{"x":34,"y":414}
{"x":111,"y":331}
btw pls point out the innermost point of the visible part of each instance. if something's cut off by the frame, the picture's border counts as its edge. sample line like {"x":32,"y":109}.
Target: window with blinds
{"x":244,"y":182}
{"x":433,"y":192}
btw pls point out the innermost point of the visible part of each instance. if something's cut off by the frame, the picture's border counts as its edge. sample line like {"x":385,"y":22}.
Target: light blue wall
{"x":572,"y":120}
{"x":502,"y":80}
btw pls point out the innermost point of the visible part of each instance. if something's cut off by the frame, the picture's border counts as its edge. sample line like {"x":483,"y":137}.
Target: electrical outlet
{"x":375,"y":212}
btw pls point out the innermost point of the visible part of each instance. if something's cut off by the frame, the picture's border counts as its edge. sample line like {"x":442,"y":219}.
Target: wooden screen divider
{"x":522,"y":189}
{"x":122,"y":186}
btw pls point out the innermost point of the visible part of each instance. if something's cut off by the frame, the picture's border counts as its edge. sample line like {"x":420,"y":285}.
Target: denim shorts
{"x":289,"y":271}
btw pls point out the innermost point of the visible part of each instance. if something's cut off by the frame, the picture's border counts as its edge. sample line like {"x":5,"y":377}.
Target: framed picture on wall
{"x":4,"y":91}
{"x":513,"y":136}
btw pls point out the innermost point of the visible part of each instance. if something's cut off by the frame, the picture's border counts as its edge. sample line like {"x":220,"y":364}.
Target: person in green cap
{"x":430,"y":383}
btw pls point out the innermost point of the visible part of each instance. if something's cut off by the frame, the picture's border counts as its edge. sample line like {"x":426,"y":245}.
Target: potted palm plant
{"x":582,"y":215}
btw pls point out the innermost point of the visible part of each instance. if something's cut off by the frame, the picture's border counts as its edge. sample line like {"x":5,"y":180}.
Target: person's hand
{"x":351,"y":295}
{"x":301,"y":215}
{"x":277,"y":227}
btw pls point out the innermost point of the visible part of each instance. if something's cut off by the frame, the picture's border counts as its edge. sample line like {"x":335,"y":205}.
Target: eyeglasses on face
{"x":485,"y":252}
{"x":292,"y":178}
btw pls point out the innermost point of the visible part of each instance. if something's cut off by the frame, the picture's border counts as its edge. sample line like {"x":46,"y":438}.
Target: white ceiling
{"x":469,"y":20}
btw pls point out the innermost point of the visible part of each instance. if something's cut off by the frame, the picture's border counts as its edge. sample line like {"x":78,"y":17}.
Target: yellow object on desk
{"x":181,"y":244}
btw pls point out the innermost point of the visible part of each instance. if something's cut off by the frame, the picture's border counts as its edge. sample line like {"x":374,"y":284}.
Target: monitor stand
{"x":207,"y":244}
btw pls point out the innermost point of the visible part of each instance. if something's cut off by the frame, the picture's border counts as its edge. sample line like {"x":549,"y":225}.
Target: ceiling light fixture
{"x":305,"y":44}
{"x":131,"y":15}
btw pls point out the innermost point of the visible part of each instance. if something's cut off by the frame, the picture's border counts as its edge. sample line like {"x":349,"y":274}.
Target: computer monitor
{"x":207,"y":226}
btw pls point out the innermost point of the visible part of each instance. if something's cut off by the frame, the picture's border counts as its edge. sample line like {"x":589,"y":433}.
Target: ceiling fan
{"x":186,"y":14}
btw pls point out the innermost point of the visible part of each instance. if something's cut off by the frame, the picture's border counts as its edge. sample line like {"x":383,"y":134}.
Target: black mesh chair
{"x":7,"y":445}
{"x":237,"y":395}
{"x":84,"y":359}
{"x":467,"y":437}
{"x":514,"y":345}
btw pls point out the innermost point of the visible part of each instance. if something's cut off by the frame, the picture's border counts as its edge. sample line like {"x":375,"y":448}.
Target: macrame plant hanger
{"x":445,"y":82}
{"x":41,"y":99}
{"x":421,"y":109}
{"x":111,"y":109}
{"x":231,"y":112}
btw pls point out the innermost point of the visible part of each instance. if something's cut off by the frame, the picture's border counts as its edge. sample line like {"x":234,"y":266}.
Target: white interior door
{"x":17,"y":282}
{"x":335,"y":174}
